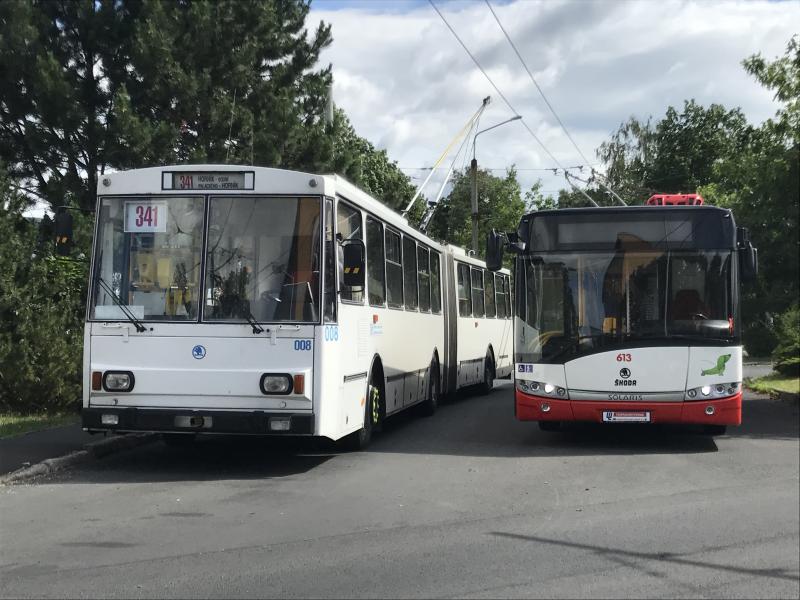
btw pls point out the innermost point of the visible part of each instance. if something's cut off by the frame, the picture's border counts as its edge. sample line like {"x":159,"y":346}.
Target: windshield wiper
{"x":253,"y":323}
{"x":123,"y":307}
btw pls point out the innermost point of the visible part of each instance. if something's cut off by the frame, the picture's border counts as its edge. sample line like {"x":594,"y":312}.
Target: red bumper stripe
{"x":727,"y":411}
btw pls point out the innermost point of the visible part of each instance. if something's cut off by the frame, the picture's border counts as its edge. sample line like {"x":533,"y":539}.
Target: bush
{"x":42,"y":303}
{"x":787,"y":352}
{"x":759,"y":339}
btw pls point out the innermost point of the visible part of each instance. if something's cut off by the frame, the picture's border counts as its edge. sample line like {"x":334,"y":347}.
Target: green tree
{"x":89,"y":85}
{"x":500,"y":206}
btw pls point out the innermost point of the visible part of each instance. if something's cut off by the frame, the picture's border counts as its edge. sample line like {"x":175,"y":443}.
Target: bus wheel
{"x":373,"y":415}
{"x":715,"y":429}
{"x":488,"y":375}
{"x":550,"y":425}
{"x":179,"y":440}
{"x":430,"y":405}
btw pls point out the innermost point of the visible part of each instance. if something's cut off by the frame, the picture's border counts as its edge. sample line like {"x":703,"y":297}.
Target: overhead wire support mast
{"x":467,"y":127}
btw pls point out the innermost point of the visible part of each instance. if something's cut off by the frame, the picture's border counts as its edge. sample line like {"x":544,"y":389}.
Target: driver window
{"x":348,"y":227}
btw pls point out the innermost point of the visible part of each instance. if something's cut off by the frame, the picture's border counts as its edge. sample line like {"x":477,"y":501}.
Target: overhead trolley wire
{"x":541,"y":92}
{"x":489,"y":79}
{"x":547,"y":102}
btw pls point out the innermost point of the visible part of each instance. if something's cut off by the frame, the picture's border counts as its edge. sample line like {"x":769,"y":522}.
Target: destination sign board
{"x":208,"y":180}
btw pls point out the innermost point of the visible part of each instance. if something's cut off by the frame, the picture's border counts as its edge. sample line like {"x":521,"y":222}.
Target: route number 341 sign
{"x":145,"y":217}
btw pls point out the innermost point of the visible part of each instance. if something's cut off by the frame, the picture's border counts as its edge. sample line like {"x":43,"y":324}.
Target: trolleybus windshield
{"x":577,"y":303}
{"x":262,"y":259}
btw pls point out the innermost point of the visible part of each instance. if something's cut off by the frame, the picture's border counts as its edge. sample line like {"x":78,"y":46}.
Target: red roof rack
{"x":675,"y":200}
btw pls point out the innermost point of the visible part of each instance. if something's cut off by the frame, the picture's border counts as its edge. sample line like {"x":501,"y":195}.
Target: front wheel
{"x":714,"y":430}
{"x":373,"y":414}
{"x":550,"y":425}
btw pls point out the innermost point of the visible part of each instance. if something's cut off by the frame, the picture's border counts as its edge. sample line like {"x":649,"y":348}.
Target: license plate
{"x":626,"y":416}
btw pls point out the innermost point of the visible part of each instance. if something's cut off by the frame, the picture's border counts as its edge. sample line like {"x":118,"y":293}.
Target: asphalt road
{"x":468,"y":503}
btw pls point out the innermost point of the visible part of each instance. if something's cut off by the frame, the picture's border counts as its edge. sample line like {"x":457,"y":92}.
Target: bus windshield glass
{"x":577,"y":303}
{"x":263,"y":259}
{"x":148,"y":258}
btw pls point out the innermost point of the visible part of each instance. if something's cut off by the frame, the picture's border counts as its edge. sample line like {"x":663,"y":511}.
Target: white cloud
{"x":408,"y":86}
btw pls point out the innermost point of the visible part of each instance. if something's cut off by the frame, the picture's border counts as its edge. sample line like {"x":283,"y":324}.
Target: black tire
{"x":373,"y":416}
{"x":179,"y":440}
{"x":714,"y":430}
{"x":431,"y":403}
{"x":488,"y":376}
{"x":550,"y":425}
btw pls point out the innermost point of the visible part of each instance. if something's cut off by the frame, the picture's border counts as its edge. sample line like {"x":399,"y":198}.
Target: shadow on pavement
{"x":208,"y":459}
{"x":624,"y":557}
{"x":767,"y":418}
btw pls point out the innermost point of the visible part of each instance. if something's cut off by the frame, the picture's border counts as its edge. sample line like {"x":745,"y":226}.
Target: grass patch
{"x":11,"y":424}
{"x":775,"y":383}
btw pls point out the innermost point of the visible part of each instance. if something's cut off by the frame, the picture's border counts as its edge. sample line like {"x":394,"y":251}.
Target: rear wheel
{"x":488,"y":375}
{"x":715,"y":429}
{"x":430,"y":405}
{"x":550,"y":425}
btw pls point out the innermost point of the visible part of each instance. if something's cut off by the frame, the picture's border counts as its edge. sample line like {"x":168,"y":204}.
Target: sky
{"x":409,"y":87}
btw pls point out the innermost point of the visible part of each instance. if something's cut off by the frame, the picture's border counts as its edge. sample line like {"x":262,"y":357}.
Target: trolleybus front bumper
{"x":726,"y":411}
{"x":253,"y":422}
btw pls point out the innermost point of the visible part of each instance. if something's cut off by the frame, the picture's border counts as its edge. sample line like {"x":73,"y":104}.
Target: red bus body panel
{"x":728,"y":410}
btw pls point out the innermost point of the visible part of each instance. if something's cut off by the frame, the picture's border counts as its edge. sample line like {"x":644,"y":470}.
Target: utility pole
{"x":473,"y":173}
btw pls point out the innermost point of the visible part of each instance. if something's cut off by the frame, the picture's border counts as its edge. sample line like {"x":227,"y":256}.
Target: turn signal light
{"x":97,"y":380}
{"x":299,"y":384}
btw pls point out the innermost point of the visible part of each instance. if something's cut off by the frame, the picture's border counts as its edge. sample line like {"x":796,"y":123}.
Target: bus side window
{"x":436,"y":289}
{"x":348,"y":225}
{"x":477,"y":292}
{"x":491,"y":307}
{"x":500,"y":296}
{"x":507,"y":287}
{"x":424,"y":279}
{"x":464,"y":292}
{"x":376,"y":277}
{"x":394,"y":270}
{"x":329,"y":296}
{"x":410,"y":272}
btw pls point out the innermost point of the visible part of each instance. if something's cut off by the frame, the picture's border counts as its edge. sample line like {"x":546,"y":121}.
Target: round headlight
{"x":691,"y":393}
{"x":561,"y":391}
{"x":534,"y":386}
{"x":720,"y":389}
{"x":706,"y":390}
{"x":548,"y":388}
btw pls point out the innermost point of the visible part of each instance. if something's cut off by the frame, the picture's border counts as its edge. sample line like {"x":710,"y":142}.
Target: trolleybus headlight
{"x":533,"y":386}
{"x":118,"y":381}
{"x":692,"y":393}
{"x":561,"y":392}
{"x":279,"y":383}
{"x":548,"y":388}
{"x":705,"y":390}
{"x":719,"y":389}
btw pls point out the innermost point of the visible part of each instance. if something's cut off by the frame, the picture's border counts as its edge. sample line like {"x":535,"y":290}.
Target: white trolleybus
{"x":629,"y":314}
{"x":250,"y":300}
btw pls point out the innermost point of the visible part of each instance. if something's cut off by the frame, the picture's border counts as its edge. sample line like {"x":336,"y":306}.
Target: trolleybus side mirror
{"x":62,"y":228}
{"x":495,"y":246}
{"x":748,"y":255}
{"x":354,"y":266}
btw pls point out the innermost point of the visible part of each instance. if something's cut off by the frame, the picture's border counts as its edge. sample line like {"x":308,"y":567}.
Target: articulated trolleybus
{"x":262,"y":301}
{"x":629,"y":314}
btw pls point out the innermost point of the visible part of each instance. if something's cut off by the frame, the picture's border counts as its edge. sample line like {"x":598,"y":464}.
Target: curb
{"x":90,"y":452}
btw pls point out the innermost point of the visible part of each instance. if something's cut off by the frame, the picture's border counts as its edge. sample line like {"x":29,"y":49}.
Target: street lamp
{"x":474,"y":180}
